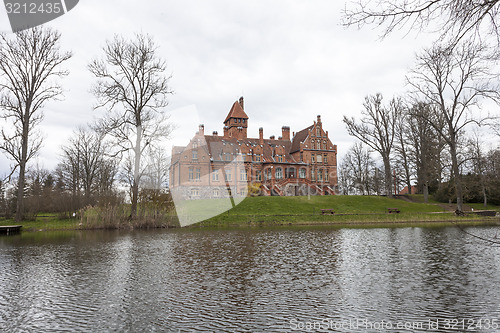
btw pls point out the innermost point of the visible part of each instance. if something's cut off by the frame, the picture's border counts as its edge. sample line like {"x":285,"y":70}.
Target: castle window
{"x":197,"y":174}
{"x":216,"y":193}
{"x":258,"y":175}
{"x":325,"y":158}
{"x":302,"y":173}
{"x":326,"y":175}
{"x":319,"y":158}
{"x":312,"y":158}
{"x":195,"y":154}
{"x":239,"y":120}
{"x":280,"y":158}
{"x":268,"y":174}
{"x":191,"y":174}
{"x":215,"y":175}
{"x":228,"y":175}
{"x":243,"y":120}
{"x":228,"y":157}
{"x":320,"y":175}
{"x":243,"y":175}
{"x":312,"y":175}
{"x":195,"y":144}
{"x":195,"y":192}
{"x":324,"y":145}
{"x":279,"y":173}
{"x":257,"y":158}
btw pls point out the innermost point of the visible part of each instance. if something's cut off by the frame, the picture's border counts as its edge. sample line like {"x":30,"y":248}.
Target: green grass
{"x":46,"y":221}
{"x":255,"y":211}
{"x":348,"y":210}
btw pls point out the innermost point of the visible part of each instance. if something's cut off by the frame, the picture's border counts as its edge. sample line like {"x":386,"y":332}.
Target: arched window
{"x":268,"y":174}
{"x":279,"y":173}
{"x":302,"y":173}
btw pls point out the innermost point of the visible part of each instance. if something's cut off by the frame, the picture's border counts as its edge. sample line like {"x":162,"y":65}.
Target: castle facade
{"x":217,"y":166}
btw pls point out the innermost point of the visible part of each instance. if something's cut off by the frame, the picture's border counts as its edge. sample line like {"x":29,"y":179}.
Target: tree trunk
{"x":388,"y":176}
{"x":137,"y":165}
{"x":426,"y":192}
{"x":484,"y":195}
{"x":456,"y":174}
{"x":22,"y":167}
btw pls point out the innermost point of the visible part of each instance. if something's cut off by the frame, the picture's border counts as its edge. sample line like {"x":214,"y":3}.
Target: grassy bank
{"x":269,"y":211}
{"x":349,"y":210}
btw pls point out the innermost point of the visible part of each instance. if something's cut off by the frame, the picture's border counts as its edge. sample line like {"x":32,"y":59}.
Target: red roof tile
{"x":236,"y":112}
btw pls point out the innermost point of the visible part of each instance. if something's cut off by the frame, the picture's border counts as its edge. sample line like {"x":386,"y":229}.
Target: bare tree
{"x":84,"y":159}
{"x":377,"y":129}
{"x":357,"y":166}
{"x":453,"y":80}
{"x":132,"y":83}
{"x":477,"y":157}
{"x":29,"y":60}
{"x":453,"y":18}
{"x":157,"y":169}
{"x":402,"y":149}
{"x":426,"y":145}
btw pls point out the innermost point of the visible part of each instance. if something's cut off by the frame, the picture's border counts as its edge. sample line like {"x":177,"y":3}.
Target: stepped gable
{"x":176,"y":153}
{"x":236,"y":111}
{"x":299,"y":137}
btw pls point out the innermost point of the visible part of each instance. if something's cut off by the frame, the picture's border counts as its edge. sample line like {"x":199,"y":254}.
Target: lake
{"x":304,"y":279}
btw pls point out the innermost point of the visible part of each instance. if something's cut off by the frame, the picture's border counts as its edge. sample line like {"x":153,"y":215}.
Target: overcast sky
{"x":291,"y":60}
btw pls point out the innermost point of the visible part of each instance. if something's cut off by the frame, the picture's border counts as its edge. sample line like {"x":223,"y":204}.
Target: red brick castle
{"x":213,"y":166}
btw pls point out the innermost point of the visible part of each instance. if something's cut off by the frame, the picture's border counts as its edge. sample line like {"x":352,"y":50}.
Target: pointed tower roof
{"x":236,"y":111}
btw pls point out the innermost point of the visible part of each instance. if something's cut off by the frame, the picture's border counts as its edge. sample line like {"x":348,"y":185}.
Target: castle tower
{"x":236,"y":123}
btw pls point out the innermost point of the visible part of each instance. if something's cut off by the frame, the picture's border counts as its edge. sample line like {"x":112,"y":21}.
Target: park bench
{"x":393,"y":210}
{"x":327,"y":211}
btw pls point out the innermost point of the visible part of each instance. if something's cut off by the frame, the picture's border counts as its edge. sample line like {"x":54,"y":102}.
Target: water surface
{"x":250,"y":280}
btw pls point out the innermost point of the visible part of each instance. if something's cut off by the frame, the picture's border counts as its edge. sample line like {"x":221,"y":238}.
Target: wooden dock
{"x":10,"y":229}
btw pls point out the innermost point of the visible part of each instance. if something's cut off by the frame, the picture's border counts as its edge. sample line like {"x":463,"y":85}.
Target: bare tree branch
{"x":28,"y":62}
{"x":133,"y":85}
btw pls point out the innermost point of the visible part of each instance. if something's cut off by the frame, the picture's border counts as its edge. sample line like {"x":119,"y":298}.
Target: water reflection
{"x":244,"y":280}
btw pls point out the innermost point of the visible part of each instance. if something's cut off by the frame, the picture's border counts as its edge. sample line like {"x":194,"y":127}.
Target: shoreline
{"x":406,"y":222}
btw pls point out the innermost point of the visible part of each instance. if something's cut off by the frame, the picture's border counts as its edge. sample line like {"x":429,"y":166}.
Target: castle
{"x":214,"y":166}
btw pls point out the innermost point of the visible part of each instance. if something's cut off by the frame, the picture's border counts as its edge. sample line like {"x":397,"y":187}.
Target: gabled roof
{"x":236,"y":112}
{"x":219,"y":144}
{"x":300,"y":137}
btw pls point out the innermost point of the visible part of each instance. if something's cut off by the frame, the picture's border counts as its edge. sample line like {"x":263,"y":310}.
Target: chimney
{"x":242,"y":103}
{"x":285,"y":133}
{"x":226,"y":131}
{"x":215,"y":133}
{"x":272,"y":137}
{"x":261,"y":136}
{"x":202,"y":129}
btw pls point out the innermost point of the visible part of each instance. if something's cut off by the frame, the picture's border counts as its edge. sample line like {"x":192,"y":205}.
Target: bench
{"x":327,"y":211}
{"x":393,"y":210}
